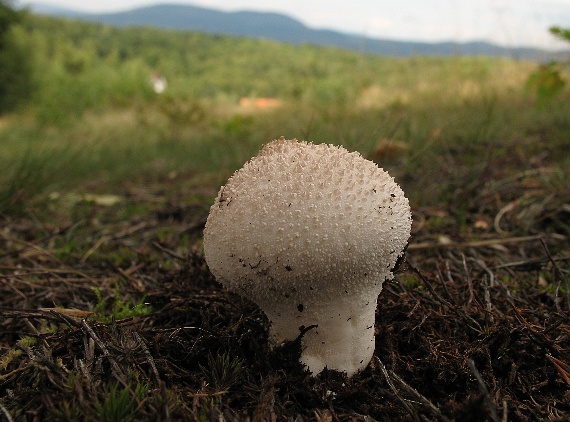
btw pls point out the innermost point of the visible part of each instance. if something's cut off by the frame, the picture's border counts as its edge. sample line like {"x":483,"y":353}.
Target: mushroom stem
{"x":343,"y":335}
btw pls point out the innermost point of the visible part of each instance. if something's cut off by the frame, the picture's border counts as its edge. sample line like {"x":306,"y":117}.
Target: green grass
{"x":120,"y":403}
{"x":102,"y":150}
{"x":120,"y":308}
{"x":222,"y":371}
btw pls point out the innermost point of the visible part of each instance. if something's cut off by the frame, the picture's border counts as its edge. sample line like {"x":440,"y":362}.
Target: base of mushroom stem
{"x":342,"y":340}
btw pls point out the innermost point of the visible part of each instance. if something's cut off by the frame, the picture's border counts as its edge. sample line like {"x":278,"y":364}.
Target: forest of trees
{"x":66,"y":67}
{"x":15,"y":66}
{"x":77,"y":66}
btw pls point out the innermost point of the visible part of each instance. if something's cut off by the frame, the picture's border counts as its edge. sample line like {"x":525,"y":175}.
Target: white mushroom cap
{"x":310,"y":233}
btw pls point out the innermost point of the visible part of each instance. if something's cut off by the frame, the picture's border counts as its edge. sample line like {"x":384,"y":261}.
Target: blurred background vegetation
{"x":15,"y":64}
{"x":78,"y":112}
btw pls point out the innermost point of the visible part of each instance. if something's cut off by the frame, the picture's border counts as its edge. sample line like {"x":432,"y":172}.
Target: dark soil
{"x":474,"y":327}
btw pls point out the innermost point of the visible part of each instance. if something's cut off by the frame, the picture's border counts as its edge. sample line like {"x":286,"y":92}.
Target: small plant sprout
{"x":309,"y":233}
{"x":223,"y":370}
{"x":121,"y":309}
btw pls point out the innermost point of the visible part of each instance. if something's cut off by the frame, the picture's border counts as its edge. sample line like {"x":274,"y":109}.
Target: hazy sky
{"x":506,"y":22}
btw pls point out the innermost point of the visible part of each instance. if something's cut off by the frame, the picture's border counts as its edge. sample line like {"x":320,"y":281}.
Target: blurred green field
{"x":94,"y":121}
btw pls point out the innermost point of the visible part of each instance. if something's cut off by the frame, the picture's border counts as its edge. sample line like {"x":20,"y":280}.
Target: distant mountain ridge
{"x":283,"y":28}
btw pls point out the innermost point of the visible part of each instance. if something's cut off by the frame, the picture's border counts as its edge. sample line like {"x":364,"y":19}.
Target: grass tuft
{"x":119,"y":404}
{"x":120,"y":308}
{"x":222,"y":371}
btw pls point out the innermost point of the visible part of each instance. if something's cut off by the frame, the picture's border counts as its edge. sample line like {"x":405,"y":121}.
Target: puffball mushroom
{"x":309,"y":233}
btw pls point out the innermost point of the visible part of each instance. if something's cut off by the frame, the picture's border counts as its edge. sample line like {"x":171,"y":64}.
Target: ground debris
{"x":106,"y":315}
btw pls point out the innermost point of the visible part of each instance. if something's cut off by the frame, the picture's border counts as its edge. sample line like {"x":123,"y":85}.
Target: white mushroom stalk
{"x":309,"y":233}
